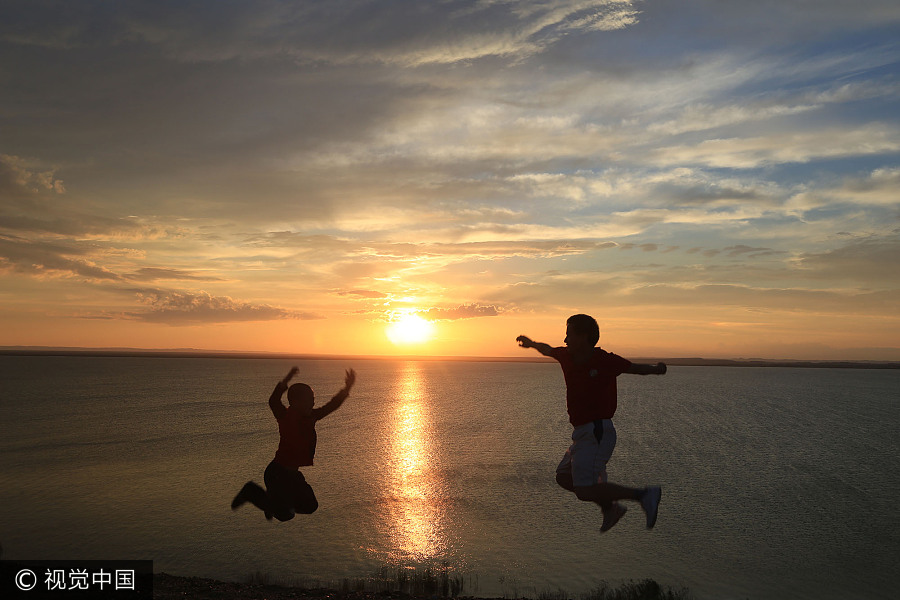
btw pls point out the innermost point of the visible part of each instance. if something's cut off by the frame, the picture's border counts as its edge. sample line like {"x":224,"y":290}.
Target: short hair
{"x":299,"y":392}
{"x":586,"y":325}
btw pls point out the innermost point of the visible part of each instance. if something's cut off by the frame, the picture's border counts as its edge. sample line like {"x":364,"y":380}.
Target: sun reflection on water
{"x":416,"y":517}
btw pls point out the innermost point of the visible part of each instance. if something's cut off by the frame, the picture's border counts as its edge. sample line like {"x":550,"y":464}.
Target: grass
{"x":646,"y":589}
{"x":259,"y":578}
{"x":426,"y":581}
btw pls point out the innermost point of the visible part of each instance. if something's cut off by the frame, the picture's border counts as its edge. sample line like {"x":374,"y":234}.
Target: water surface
{"x":777,"y":482}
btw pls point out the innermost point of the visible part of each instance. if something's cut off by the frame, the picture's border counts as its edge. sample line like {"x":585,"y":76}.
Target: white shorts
{"x":592,"y":447}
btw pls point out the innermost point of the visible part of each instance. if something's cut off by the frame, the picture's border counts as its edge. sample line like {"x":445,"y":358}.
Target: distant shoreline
{"x":193,"y":353}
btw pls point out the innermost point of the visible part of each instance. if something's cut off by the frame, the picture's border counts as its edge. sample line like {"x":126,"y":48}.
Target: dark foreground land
{"x":170,"y":587}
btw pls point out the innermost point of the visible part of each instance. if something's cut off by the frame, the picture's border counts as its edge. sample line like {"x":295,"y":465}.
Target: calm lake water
{"x":777,"y":482}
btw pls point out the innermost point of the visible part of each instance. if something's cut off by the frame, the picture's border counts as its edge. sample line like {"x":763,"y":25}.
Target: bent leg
{"x":255,"y":495}
{"x":279,"y":483}
{"x":305,"y":501}
{"x":564,"y":476}
{"x":565,"y":481}
{"x":593,"y":446}
{"x":606,"y":493}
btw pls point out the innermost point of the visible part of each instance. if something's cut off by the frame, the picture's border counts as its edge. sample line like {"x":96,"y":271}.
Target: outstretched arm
{"x":657,"y":369}
{"x":338,"y":399}
{"x":278,"y":408}
{"x":527,"y":342}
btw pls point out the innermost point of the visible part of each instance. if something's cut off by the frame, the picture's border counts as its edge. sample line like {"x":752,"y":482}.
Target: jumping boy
{"x":287,"y":492}
{"x":590,"y":375}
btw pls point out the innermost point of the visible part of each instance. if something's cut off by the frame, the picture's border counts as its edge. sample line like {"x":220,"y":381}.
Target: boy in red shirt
{"x":590,"y":375}
{"x":287,"y":491}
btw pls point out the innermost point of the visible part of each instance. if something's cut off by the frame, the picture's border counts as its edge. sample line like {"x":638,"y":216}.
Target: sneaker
{"x":611,"y":517}
{"x":650,"y":503}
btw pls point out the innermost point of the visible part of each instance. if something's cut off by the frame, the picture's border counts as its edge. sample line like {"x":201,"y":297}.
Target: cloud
{"x":466,"y":311}
{"x":341,"y":32}
{"x":700,"y":116}
{"x":872,"y":262}
{"x":83,"y":259}
{"x":35,"y":200}
{"x":645,"y":247}
{"x":742,"y":249}
{"x":535,"y":248}
{"x":181,"y":308}
{"x":45,"y":258}
{"x":695,"y":188}
{"x":873,"y":191}
{"x":368,"y":294}
{"x":879,"y":188}
{"x":780,"y":148}
{"x":756,"y":298}
{"x":359,"y":248}
{"x":767,"y":23}
{"x":18,"y":178}
{"x":157,"y":273}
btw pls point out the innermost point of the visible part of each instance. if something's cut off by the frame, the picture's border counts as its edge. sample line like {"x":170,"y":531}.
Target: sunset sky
{"x":716,"y":178}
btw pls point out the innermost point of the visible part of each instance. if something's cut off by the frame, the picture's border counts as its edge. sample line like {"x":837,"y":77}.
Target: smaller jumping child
{"x":287,"y":491}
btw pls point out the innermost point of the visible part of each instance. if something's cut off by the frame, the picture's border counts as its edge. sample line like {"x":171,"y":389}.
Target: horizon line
{"x":265,"y":354}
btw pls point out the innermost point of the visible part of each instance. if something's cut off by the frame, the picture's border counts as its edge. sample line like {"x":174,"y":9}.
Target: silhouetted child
{"x":590,"y":375}
{"x":287,"y":492}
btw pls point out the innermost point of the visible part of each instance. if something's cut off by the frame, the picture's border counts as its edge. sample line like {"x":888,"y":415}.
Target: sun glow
{"x":409,"y":328}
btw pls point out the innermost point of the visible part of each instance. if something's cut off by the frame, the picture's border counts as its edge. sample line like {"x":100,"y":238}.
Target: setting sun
{"x":409,"y":329}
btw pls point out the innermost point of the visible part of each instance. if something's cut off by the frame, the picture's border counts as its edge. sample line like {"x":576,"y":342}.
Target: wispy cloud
{"x":43,"y":259}
{"x":176,"y":308}
{"x":158,"y":273}
{"x":867,"y":261}
{"x":466,"y":311}
{"x":405,"y":33}
{"x":780,"y":148}
{"x":18,"y":179}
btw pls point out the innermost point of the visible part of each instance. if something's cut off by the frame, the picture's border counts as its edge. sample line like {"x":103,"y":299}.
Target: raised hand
{"x":349,"y":379}
{"x":290,"y":375}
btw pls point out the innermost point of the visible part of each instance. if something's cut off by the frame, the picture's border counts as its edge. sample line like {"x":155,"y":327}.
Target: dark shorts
{"x":288,"y":492}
